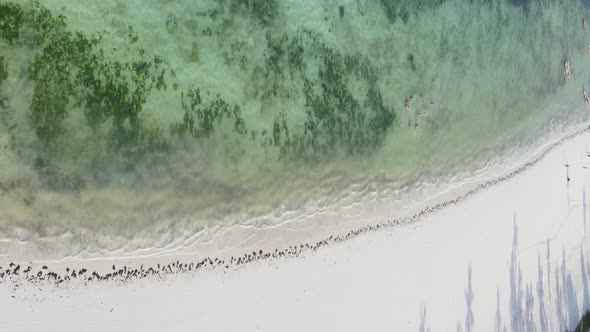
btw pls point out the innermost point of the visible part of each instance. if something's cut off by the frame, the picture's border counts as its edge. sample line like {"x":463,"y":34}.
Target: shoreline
{"x":513,"y":257}
{"x":160,"y":265}
{"x":316,"y":213}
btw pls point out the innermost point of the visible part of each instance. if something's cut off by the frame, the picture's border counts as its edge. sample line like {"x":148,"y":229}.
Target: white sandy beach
{"x":513,"y":257}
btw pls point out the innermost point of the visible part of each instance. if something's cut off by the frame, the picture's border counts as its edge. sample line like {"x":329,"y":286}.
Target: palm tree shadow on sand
{"x":528,"y":301}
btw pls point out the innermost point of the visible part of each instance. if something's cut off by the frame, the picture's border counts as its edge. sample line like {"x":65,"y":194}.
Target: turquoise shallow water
{"x":120,"y":117}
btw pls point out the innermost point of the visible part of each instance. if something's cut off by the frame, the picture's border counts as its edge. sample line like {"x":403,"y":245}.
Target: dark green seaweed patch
{"x":3,"y":77}
{"x":396,"y":9}
{"x":11,"y":21}
{"x":117,"y":92}
{"x":274,"y":71}
{"x":53,"y":71}
{"x":202,"y":114}
{"x":264,"y":11}
{"x":336,"y":121}
{"x":335,"y":118}
{"x":71,"y":70}
{"x":3,"y":70}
